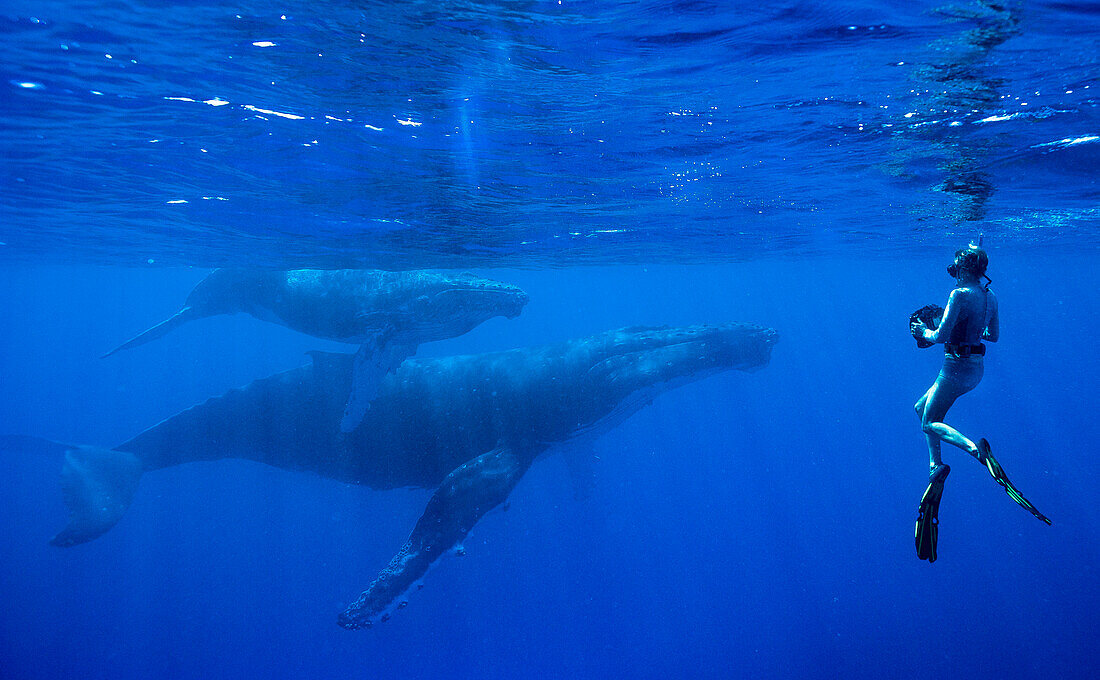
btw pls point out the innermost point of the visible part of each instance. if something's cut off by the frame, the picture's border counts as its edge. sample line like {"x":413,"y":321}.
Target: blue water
{"x":809,"y":167}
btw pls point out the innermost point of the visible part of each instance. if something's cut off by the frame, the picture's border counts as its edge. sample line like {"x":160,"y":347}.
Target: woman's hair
{"x":973,"y":259}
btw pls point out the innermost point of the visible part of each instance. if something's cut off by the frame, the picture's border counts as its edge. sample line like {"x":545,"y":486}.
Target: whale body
{"x":466,"y":426}
{"x":387,"y":313}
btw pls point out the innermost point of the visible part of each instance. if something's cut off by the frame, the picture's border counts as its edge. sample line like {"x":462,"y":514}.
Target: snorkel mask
{"x":971,"y":258}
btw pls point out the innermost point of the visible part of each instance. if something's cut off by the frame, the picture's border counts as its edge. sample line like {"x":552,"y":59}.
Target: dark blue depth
{"x":756,"y":524}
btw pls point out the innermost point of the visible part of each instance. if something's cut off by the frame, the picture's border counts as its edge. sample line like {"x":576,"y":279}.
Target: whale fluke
{"x":161,"y":329}
{"x":98,"y":485}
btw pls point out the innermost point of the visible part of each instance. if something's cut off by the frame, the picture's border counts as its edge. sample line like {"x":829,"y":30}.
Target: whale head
{"x":627,"y":368}
{"x":643,"y":355}
{"x":446,"y":306}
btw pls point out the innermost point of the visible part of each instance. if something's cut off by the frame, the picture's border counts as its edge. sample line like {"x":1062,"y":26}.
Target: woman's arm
{"x":947,"y":323}
{"x":993,"y":330}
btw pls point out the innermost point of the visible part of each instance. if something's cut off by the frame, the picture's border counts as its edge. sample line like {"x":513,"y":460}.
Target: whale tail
{"x":161,"y":329}
{"x":98,"y":485}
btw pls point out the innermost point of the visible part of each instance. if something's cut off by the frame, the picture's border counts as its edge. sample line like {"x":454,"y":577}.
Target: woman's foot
{"x":928,"y":522}
{"x":985,"y":457}
{"x":938,"y":472}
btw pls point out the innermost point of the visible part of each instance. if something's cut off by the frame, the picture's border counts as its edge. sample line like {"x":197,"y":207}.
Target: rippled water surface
{"x":532,"y":133}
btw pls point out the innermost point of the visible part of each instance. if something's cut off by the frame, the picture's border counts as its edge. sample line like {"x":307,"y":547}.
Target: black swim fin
{"x":985,"y":457}
{"x":928,"y":523}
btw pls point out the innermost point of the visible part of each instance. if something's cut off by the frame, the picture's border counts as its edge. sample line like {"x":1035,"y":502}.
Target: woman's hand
{"x":922,"y":329}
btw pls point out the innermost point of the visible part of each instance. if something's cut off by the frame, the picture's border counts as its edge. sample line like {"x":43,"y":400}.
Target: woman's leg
{"x":933,"y":440}
{"x":937,"y":401}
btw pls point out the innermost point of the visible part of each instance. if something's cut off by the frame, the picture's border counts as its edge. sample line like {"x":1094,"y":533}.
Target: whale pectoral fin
{"x":460,"y":501}
{"x":373,"y":362}
{"x":98,"y":485}
{"x":580,"y":461}
{"x":160,"y":330}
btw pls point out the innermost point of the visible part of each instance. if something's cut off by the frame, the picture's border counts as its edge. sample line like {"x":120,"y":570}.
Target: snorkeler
{"x":970,"y":317}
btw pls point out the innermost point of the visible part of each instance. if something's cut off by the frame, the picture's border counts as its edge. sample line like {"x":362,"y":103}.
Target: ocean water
{"x":809,"y":167}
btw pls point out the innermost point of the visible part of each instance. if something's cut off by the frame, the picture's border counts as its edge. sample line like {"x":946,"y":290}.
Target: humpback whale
{"x":467,"y":426}
{"x":387,"y":313}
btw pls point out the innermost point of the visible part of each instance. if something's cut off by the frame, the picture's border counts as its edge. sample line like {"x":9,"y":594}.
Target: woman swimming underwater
{"x":970,"y":317}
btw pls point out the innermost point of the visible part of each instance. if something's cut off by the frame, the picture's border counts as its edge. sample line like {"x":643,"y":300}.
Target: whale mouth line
{"x":638,"y":353}
{"x":685,"y":344}
{"x":483,"y":291}
{"x":506,"y":303}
